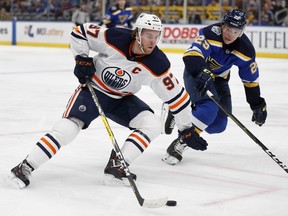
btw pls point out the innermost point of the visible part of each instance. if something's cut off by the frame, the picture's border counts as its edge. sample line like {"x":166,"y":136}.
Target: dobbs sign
{"x":183,"y":34}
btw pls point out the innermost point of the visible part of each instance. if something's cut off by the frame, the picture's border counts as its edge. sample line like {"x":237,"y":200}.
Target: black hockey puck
{"x":171,"y":203}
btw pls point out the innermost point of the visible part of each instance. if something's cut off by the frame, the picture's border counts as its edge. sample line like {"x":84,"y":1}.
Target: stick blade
{"x":155,"y":203}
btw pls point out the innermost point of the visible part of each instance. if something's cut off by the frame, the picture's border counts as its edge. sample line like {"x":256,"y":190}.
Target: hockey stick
{"x":155,"y":203}
{"x":268,"y":152}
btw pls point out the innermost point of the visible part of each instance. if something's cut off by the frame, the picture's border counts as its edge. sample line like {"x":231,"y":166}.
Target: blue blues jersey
{"x":211,"y":52}
{"x":119,"y":17}
{"x":220,"y":57}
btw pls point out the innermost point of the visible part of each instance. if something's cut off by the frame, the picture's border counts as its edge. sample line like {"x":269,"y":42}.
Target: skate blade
{"x":111,"y":180}
{"x":170,"y":159}
{"x":15,"y":182}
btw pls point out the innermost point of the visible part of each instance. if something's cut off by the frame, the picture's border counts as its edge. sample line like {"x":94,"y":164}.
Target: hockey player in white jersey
{"x":126,"y":60}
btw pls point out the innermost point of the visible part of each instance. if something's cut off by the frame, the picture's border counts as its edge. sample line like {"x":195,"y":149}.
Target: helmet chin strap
{"x":139,"y":41}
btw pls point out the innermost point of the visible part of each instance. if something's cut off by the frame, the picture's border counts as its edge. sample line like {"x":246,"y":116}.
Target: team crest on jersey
{"x":116,"y":78}
{"x":122,"y":18}
{"x":213,"y":64}
{"x":216,"y":30}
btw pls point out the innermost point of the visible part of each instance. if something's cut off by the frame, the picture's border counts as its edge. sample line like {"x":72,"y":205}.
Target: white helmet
{"x":148,"y":21}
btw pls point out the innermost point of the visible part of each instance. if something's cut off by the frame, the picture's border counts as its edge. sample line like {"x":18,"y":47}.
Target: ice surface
{"x":234,"y":177}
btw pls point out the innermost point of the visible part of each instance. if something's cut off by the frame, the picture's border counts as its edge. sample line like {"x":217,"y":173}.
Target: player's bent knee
{"x":148,"y":123}
{"x":155,"y":128}
{"x":66,"y":130}
{"x":217,"y":128}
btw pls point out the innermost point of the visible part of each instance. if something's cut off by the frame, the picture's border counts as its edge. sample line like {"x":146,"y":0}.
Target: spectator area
{"x":259,"y":12}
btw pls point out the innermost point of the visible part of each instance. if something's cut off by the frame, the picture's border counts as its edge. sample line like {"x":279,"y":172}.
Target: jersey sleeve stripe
{"x":83,"y":31}
{"x":215,"y":43}
{"x":76,"y":29}
{"x":241,"y":55}
{"x":251,"y":85}
{"x":193,"y":53}
{"x":181,"y":108}
{"x":176,"y":97}
{"x":179,"y":102}
{"x":116,"y":12}
{"x":77,"y":36}
{"x":184,"y":98}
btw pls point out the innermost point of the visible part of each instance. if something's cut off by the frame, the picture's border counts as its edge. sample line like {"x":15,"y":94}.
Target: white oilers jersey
{"x":120,"y":73}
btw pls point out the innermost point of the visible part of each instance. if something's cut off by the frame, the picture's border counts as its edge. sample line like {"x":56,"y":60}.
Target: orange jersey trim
{"x":71,"y":101}
{"x":180,"y":101}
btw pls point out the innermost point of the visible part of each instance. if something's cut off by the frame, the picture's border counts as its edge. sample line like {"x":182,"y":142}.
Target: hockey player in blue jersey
{"x":119,"y":15}
{"x":207,"y":67}
{"x":127,"y":60}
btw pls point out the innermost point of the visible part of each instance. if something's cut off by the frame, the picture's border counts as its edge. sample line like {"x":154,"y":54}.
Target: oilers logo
{"x":116,"y":78}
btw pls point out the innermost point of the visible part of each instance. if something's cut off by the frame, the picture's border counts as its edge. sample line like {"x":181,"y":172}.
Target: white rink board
{"x":266,"y":40}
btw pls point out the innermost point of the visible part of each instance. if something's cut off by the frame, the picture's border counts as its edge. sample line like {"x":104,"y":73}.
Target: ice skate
{"x":20,"y":174}
{"x":174,"y":152}
{"x":115,"y":173}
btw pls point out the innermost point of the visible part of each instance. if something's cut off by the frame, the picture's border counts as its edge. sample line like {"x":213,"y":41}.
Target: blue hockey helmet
{"x":235,"y":18}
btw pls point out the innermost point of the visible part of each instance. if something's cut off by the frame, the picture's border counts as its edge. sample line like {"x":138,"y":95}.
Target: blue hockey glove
{"x":260,"y":113}
{"x":203,"y":81}
{"x":84,"y":68}
{"x":192,"y":139}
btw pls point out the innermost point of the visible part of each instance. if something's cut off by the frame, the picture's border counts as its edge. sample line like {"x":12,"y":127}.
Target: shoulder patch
{"x":213,"y":32}
{"x":216,"y":30}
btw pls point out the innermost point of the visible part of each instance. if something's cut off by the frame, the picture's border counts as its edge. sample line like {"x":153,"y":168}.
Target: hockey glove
{"x":260,"y":113}
{"x":203,"y":81}
{"x":84,"y":68}
{"x":192,"y":139}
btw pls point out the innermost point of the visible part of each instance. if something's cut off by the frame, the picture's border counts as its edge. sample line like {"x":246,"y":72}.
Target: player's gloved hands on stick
{"x":84,"y":68}
{"x":203,"y":81}
{"x":192,"y":139}
{"x":260,"y":113}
